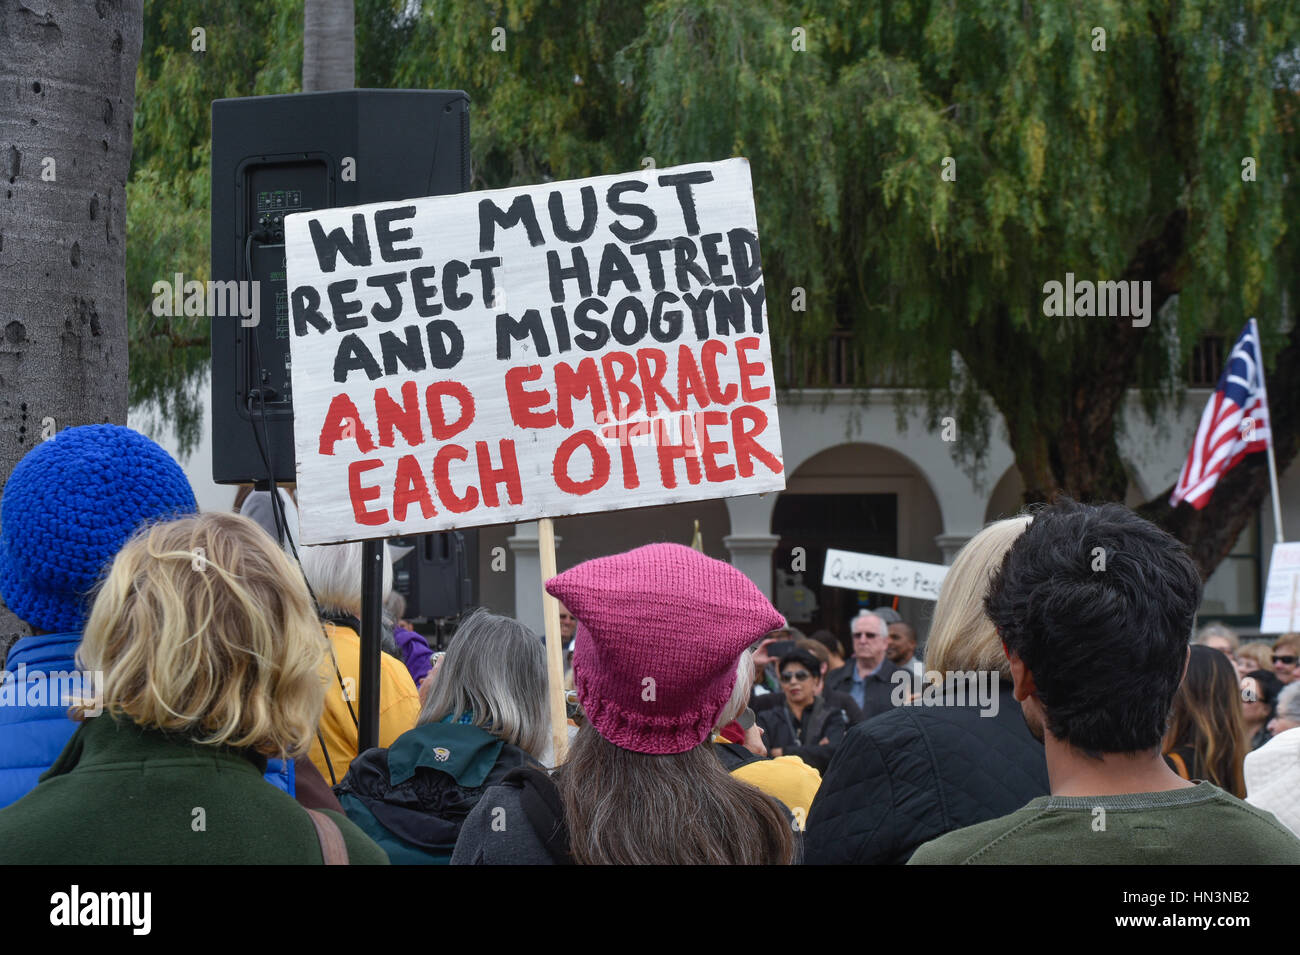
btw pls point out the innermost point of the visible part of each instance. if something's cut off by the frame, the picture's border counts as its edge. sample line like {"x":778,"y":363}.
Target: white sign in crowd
{"x":1282,"y":593}
{"x":500,"y":356}
{"x":883,"y":575}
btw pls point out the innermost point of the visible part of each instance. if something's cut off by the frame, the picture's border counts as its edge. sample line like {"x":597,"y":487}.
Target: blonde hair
{"x":1257,"y":652}
{"x":1287,"y":641}
{"x":204,"y":628}
{"x":962,"y":637}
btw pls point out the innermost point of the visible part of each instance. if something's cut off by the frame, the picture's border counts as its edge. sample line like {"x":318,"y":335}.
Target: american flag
{"x":1233,"y":425}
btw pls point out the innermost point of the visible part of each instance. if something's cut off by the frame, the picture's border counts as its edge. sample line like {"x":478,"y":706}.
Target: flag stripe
{"x":1235,"y":423}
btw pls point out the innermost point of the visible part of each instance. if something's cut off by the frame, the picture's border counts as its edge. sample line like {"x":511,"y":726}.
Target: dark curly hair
{"x":1099,"y":604}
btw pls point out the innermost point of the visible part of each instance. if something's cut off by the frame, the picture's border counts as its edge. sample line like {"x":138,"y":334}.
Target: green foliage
{"x":1068,"y":159}
{"x":253,"y":47}
{"x":167,"y":232}
{"x":1122,"y":163}
{"x":551,"y":104}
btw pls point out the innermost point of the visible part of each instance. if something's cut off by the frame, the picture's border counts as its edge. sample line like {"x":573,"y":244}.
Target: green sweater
{"x":1200,"y":825}
{"x":122,"y":794}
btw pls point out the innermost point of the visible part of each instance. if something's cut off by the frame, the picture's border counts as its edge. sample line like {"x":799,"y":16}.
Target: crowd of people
{"x":188,"y":695}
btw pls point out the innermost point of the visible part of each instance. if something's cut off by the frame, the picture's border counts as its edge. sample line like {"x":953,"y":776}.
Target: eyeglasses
{"x":1288,"y":660}
{"x":799,"y":675}
{"x":566,"y":616}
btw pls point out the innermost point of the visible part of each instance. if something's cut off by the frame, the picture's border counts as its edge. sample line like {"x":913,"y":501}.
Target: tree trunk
{"x":329,"y":45}
{"x":67,"y":103}
{"x":1089,"y":466}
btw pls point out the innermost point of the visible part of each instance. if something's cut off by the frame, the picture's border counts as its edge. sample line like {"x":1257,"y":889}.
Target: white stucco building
{"x":881,"y":490}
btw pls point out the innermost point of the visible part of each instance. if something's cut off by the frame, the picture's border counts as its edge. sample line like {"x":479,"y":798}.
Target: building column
{"x":950,"y":544}
{"x":751,"y":554}
{"x":528,"y":576}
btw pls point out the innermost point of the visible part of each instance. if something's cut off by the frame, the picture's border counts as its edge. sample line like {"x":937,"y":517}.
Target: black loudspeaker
{"x":438,"y":576}
{"x":273,"y":155}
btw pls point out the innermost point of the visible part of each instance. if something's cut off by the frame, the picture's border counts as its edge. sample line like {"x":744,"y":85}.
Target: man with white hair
{"x":869,"y":676}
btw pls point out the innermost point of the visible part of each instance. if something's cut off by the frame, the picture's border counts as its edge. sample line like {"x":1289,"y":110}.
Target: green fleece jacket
{"x":122,"y":794}
{"x":1200,"y":825}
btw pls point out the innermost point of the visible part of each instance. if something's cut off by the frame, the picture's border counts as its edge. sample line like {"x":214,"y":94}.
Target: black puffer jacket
{"x":907,"y":776}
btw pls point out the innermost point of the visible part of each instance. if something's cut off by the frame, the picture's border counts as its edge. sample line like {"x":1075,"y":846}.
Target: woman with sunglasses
{"x":804,"y":725}
{"x":1286,"y":657}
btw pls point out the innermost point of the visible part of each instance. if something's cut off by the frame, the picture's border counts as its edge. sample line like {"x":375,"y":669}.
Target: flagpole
{"x":1272,"y":461}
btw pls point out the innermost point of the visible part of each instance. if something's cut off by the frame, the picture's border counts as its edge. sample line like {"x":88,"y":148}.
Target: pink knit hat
{"x":660,"y":630}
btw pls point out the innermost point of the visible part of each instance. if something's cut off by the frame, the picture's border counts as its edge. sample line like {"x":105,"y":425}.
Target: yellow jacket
{"x":399,"y":702}
{"x":786,"y":778}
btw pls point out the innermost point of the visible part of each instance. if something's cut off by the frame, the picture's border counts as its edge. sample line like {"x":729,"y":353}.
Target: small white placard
{"x":1282,"y":594}
{"x":885,"y":575}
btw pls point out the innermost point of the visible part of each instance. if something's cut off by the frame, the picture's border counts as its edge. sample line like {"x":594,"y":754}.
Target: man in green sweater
{"x":1095,"y":608}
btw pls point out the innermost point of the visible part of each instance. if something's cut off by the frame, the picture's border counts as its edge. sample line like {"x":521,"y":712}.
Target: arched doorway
{"x":856,"y":497}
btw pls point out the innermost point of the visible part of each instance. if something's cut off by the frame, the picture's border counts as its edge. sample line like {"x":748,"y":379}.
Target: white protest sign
{"x":1282,"y":593}
{"x":557,"y":349}
{"x":884,"y":575}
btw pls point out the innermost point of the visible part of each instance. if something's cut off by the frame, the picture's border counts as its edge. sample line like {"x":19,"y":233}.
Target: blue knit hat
{"x":68,"y":508}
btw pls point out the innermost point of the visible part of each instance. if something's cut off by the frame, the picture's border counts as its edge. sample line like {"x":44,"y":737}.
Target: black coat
{"x":820,"y":721}
{"x":836,"y":701}
{"x":910,"y":775}
{"x":880,"y":692}
{"x":413,"y":797}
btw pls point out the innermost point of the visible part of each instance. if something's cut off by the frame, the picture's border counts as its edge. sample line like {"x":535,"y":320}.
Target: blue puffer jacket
{"x":34,"y":723}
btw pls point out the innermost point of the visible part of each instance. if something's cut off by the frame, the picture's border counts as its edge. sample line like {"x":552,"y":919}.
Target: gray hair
{"x":334,"y":573}
{"x":870,"y":613}
{"x":1288,"y":702}
{"x":1217,"y":629}
{"x":740,"y":692}
{"x":395,"y":604}
{"x":495,"y":671}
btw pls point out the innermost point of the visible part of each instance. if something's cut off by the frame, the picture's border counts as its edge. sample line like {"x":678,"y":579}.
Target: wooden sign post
{"x":554,"y":642}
